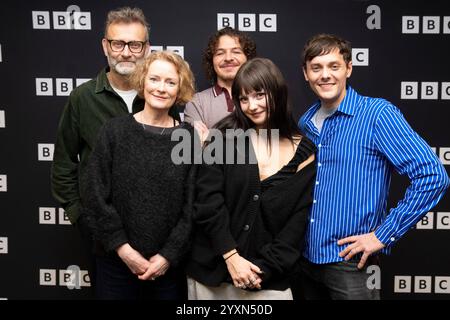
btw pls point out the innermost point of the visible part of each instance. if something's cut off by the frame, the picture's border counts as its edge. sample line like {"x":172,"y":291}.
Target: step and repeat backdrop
{"x":47,"y":48}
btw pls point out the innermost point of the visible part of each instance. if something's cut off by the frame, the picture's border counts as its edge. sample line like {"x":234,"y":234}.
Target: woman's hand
{"x":244,"y":273}
{"x":133,"y":259}
{"x":158,"y":267}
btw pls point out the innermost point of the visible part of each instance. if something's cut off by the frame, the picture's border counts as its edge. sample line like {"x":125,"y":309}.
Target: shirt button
{"x":314,"y":201}
{"x":317,"y":182}
{"x":312,"y":220}
{"x":246,"y":227}
{"x":392,"y":239}
{"x":320,"y":145}
{"x":255,"y":197}
{"x":319,"y":164}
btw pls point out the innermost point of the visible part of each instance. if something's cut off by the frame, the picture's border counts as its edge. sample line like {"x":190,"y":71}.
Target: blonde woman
{"x":137,"y":200}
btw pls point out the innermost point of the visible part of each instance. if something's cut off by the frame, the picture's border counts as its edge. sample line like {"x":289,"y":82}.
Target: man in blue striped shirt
{"x":360,"y":140}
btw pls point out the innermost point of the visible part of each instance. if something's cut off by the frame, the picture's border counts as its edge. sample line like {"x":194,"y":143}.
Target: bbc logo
{"x":64,"y":86}
{"x":3,"y":245}
{"x":72,"y":277}
{"x":3,"y":183}
{"x":360,"y":56}
{"x":428,"y":221}
{"x":179,"y":50}
{"x":2,"y":119}
{"x":62,"y":20}
{"x":45,"y":151}
{"x":428,"y":90}
{"x":422,"y":284}
{"x":247,"y":21}
{"x":48,"y":216}
{"x":430,"y":24}
{"x":444,"y":155}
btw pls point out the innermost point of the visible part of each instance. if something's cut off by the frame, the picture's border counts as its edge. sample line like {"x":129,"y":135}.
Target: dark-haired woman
{"x":250,"y":216}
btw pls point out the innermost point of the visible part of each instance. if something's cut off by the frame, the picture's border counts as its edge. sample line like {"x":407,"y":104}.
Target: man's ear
{"x":105,"y":46}
{"x":304,"y":73}
{"x":147,"y":50}
{"x":349,"y":69}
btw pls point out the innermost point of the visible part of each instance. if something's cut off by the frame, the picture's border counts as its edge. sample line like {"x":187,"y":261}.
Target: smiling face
{"x":124,"y":62}
{"x":254,"y":106}
{"x":327,"y":76}
{"x":228,"y":58}
{"x":162,"y":84}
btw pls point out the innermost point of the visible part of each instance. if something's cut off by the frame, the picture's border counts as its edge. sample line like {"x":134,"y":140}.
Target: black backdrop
{"x":37,"y":244}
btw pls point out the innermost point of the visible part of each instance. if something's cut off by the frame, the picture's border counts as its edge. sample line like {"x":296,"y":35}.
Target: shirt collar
{"x":347,"y":106}
{"x":218,"y":90}
{"x":103,"y":82}
{"x":350,"y":103}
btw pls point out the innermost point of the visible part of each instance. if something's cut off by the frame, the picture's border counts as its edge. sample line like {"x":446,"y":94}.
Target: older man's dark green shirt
{"x":89,"y":106}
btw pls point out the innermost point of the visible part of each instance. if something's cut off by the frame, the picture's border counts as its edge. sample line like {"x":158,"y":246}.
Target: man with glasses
{"x":90,"y":105}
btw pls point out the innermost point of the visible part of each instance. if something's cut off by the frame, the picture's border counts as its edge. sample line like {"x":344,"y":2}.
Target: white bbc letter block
{"x":409,"y":90}
{"x":429,"y":90}
{"x":3,"y":245}
{"x":410,"y":24}
{"x":61,"y":20}
{"x":64,"y":86}
{"x":45,"y":151}
{"x":444,"y":155}
{"x":422,"y":284}
{"x":426,"y":222}
{"x":2,"y":119}
{"x":47,"y":215}
{"x":445,"y":91}
{"x":3,"y":183}
{"x":63,"y":218}
{"x":430,"y":25}
{"x":247,"y":21}
{"x":441,"y":284}
{"x":360,"y":56}
{"x":44,"y":86}
{"x":47,"y":277}
{"x":267,"y":22}
{"x":225,"y":20}
{"x":402,"y":284}
{"x":179,"y":50}
{"x":443,"y":220}
{"x":82,"y":20}
{"x":41,"y":19}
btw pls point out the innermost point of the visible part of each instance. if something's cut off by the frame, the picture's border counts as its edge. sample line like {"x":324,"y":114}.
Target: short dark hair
{"x":323,"y":43}
{"x":247,"y":45}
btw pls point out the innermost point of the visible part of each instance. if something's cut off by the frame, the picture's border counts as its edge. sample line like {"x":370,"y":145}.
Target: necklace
{"x":143,"y":124}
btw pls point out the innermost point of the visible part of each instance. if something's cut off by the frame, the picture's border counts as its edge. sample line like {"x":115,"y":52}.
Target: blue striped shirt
{"x":357,"y":149}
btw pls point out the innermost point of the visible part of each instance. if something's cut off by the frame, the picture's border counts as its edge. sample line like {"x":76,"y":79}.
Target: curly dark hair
{"x":247,"y":44}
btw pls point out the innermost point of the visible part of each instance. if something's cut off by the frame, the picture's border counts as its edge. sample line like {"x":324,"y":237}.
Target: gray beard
{"x":124,"y":71}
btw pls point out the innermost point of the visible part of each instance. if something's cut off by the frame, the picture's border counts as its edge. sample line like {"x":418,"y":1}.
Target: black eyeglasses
{"x":133,"y":46}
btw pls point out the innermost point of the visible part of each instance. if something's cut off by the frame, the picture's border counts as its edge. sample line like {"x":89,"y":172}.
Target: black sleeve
{"x":64,"y":173}
{"x":97,"y":194}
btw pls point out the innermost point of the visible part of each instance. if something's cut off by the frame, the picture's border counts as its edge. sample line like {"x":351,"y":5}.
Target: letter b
{"x":410,"y":24}
{"x":225,"y":20}
{"x":41,"y":19}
